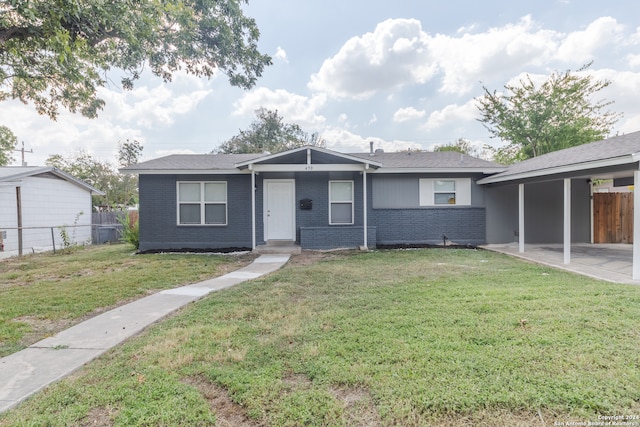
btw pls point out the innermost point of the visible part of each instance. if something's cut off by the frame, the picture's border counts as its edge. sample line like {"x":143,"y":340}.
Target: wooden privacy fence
{"x":107,"y":227}
{"x":613,"y":217}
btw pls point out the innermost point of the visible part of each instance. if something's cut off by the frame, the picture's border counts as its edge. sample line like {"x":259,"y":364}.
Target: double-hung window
{"x":340,"y":202}
{"x":202,"y":203}
{"x":444,"y":192}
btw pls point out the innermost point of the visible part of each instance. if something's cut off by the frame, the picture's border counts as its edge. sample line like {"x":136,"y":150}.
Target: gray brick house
{"x":313,"y":197}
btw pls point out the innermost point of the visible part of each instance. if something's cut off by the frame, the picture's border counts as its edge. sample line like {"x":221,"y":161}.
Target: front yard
{"x":423,"y":337}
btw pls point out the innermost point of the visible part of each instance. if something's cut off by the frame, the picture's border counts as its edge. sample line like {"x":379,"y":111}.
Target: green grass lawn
{"x":44,"y":293}
{"x":424,"y":337}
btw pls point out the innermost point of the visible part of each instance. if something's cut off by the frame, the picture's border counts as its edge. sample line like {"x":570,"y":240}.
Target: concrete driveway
{"x":610,"y":262}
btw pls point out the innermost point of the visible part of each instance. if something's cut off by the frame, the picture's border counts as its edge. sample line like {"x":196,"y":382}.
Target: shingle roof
{"x":404,"y":160}
{"x":184,"y":162}
{"x":427,"y":159}
{"x":621,"y":147}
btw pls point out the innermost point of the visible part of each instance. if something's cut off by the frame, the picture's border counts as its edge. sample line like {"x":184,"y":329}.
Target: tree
{"x":83,"y":166}
{"x":537,"y":120}
{"x":57,"y":52}
{"x":269,"y":133}
{"x":8,"y":143}
{"x":129,"y":153}
{"x":461,"y":145}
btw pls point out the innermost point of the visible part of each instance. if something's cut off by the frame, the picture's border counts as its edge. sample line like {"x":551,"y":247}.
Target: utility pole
{"x":22,"y":150}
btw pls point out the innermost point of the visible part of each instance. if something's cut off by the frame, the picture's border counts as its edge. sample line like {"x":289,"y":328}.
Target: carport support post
{"x":364,"y":207}
{"x":567,"y":220}
{"x":253,"y":208}
{"x":636,"y":227}
{"x":521,"y":218}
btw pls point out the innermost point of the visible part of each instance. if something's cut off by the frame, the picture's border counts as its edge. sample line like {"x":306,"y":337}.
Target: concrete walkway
{"x":26,"y":372}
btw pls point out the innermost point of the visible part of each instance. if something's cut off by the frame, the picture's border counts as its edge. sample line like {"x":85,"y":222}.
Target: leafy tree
{"x":8,"y":143}
{"x":120,"y":189}
{"x":100,"y":175}
{"x":537,"y":120}
{"x":129,"y":153}
{"x":57,"y":52}
{"x":269,"y":132}
{"x":461,"y":145}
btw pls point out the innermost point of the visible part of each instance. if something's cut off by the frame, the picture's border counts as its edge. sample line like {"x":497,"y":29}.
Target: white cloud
{"x":295,"y":108}
{"x":148,"y":107}
{"x":580,"y":46}
{"x":395,"y":54}
{"x":399,"y":53}
{"x":633,"y":60}
{"x":373,"y":119}
{"x":344,"y":141}
{"x":406,"y":114}
{"x":451,"y":115}
{"x":65,"y":136}
{"x":281,"y":55}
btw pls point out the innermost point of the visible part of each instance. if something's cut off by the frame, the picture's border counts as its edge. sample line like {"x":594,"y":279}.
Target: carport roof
{"x":611,"y":152}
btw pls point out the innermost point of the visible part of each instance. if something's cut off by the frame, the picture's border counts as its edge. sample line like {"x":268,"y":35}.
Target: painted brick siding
{"x":158,"y":215}
{"x":461,"y":225}
{"x":336,"y":237}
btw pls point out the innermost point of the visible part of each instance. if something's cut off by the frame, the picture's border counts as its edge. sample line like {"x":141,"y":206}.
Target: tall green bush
{"x":130,"y":229}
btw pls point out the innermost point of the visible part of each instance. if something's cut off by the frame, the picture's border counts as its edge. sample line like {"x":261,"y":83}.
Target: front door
{"x":279,"y":209}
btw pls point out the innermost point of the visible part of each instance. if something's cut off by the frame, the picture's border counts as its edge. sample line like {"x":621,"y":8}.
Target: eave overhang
{"x":564,"y":169}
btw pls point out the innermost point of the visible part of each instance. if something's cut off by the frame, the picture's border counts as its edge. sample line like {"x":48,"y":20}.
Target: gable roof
{"x":317,"y":155}
{"x":14,"y":174}
{"x":611,"y":152}
{"x":404,"y":162}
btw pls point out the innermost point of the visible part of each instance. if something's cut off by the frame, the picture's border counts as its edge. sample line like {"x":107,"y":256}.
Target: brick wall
{"x":461,"y":225}
{"x":158,"y":215}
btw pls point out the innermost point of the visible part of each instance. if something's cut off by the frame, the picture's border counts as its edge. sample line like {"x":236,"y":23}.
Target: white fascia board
{"x":484,"y":171}
{"x":187,"y":171}
{"x":595,"y":164}
{"x":309,"y":168}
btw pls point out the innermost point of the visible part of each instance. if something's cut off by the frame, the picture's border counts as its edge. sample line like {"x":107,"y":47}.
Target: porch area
{"x":610,"y":262}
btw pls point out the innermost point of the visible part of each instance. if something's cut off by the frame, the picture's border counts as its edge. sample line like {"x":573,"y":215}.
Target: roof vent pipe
{"x":371,"y":148}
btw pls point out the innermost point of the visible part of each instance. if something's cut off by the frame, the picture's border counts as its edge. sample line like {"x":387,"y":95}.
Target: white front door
{"x":279,"y":209}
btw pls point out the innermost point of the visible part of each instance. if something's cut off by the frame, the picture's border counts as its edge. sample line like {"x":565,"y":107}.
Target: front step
{"x":278,"y":247}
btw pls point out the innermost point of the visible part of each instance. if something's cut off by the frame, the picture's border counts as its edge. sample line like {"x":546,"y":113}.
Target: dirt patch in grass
{"x":228,"y":413}
{"x":359,"y":409}
{"x":98,"y":417}
{"x":498,"y":417}
{"x":42,"y":328}
{"x":311,"y":257}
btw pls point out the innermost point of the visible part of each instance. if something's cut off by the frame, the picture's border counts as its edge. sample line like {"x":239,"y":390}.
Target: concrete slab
{"x":26,"y":372}
{"x":609,"y":262}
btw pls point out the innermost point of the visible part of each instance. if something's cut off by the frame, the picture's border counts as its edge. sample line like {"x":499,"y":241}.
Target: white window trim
{"x":462,"y":192}
{"x":203,"y":203}
{"x":352,"y":202}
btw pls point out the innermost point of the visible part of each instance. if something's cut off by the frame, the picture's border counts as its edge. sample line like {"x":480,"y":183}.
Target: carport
{"x":546,"y":203}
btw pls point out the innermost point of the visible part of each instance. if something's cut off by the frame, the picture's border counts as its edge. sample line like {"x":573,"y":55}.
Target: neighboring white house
{"x":38,"y":205}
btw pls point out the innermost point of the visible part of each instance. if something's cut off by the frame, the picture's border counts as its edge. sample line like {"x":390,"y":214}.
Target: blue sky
{"x":403,"y":74}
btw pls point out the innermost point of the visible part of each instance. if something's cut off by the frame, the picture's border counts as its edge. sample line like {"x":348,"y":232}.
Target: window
{"x":340,"y":202}
{"x":442,"y":192}
{"x":202,"y":203}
